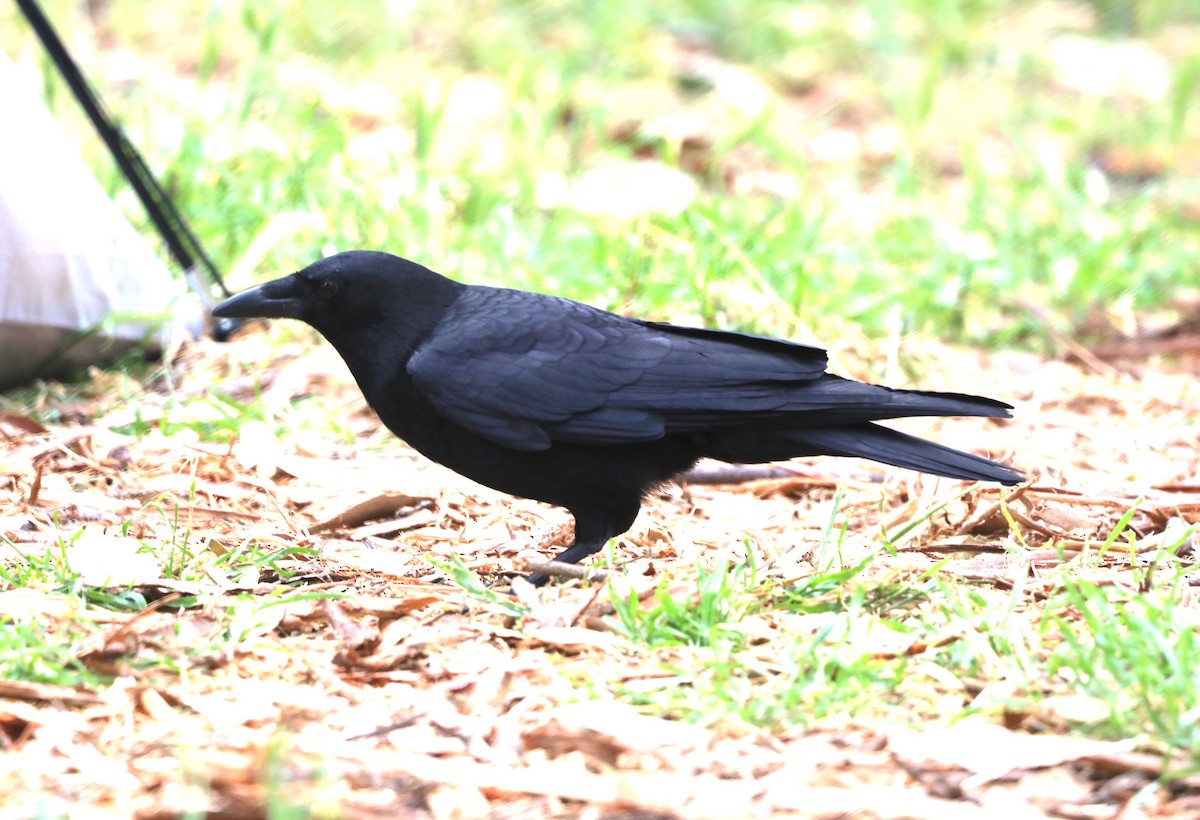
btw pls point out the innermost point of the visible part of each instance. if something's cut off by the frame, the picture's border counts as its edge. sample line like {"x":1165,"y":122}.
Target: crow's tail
{"x":864,"y":440}
{"x":889,"y":446}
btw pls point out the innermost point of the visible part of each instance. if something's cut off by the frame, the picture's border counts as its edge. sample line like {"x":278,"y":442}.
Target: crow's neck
{"x":378,"y":347}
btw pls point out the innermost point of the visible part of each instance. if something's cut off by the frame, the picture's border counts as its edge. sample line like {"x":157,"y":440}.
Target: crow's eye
{"x":326,"y":288}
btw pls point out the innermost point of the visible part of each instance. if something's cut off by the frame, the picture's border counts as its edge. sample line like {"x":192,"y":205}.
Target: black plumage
{"x":547,"y":398}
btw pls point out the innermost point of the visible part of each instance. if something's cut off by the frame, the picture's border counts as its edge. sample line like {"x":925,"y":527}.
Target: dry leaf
{"x":257,"y":449}
{"x":23,"y":423}
{"x":572,"y":638}
{"x":47,"y":692}
{"x":380,"y":506}
{"x":104,"y":560}
{"x":991,"y":752}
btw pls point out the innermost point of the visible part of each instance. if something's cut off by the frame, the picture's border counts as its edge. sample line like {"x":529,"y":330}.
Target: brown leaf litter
{"x":371,"y":687}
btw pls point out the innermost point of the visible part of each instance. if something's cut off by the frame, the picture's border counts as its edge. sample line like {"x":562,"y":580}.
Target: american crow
{"x":551,"y":399}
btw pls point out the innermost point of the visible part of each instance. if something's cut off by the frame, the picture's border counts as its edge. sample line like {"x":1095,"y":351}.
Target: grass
{"x":27,"y":653}
{"x":940,"y":181}
{"x":345,"y":126}
{"x":835,"y":645}
{"x":1138,"y":654}
{"x":849,"y":648}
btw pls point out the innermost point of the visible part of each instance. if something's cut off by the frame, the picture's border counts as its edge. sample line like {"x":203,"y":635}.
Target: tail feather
{"x":869,"y":441}
{"x":845,"y":402}
{"x":936,"y":403}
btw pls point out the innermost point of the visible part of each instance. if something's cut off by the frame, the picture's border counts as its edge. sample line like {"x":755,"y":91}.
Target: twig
{"x":734,"y":474}
{"x":978,"y":518}
{"x":1147,"y":347}
{"x":747,"y":473}
{"x":579,"y":615}
{"x":557,"y":569}
{"x":955,"y":547}
{"x":1036,"y":526}
{"x":1073,"y":348}
{"x":402,"y":723}
{"x":36,"y":487}
{"x":390,"y":505}
{"x":354,"y":636}
{"x":47,"y":693}
{"x":101,"y":643}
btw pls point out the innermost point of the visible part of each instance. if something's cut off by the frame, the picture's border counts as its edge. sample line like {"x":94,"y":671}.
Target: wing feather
{"x":525,"y":370}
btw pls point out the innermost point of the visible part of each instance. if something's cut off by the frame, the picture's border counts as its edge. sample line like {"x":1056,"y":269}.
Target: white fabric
{"x":69,"y":260}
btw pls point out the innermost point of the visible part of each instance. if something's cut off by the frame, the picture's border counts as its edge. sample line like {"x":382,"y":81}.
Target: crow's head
{"x":349,"y":293}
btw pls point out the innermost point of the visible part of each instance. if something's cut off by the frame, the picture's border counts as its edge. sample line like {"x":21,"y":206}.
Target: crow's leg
{"x":571,"y":555}
{"x":593,"y":529}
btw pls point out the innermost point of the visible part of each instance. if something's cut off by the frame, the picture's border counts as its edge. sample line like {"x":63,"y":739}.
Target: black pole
{"x":182,"y":244}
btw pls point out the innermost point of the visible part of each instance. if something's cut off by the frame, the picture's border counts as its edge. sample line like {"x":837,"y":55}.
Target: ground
{"x":274,"y":632}
{"x":225,"y":589}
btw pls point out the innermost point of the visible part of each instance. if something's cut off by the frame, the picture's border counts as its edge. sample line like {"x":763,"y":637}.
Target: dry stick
{"x":582,"y":610}
{"x":1159,"y":509}
{"x":1177,"y":488}
{"x":63,"y":445}
{"x":978,"y":518}
{"x":22,"y":423}
{"x":558,"y":569}
{"x":384,"y":505}
{"x":955,"y":547}
{"x":745,"y":473}
{"x":36,"y":487}
{"x":352,"y":634}
{"x":100,"y":642}
{"x":1022,"y":518}
{"x":47,"y":692}
{"x":1074,"y":348}
{"x":403,"y":723}
{"x":288,"y":520}
{"x":1147,"y":347}
{"x":734,"y":474}
{"x":1073,"y":497}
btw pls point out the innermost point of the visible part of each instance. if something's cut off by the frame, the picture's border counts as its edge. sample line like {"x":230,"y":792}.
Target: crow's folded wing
{"x":525,"y":371}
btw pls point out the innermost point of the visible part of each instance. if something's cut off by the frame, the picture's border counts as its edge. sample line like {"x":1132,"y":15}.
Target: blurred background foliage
{"x":995,"y":172}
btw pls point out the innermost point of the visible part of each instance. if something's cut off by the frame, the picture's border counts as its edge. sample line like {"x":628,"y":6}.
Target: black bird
{"x":554,"y":400}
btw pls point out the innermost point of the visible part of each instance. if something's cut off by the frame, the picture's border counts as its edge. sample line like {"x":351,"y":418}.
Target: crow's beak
{"x":274,"y":300}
